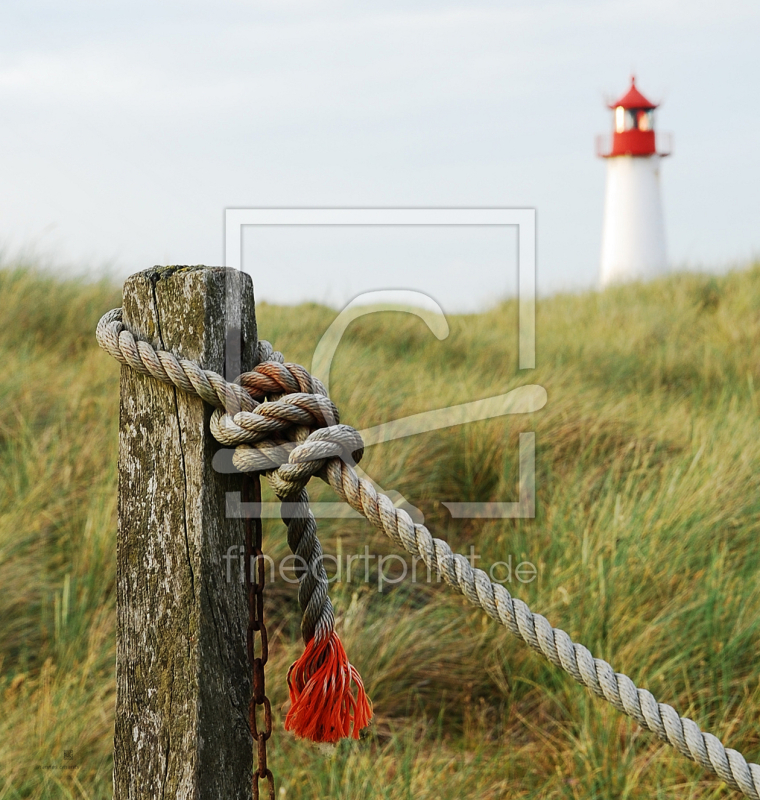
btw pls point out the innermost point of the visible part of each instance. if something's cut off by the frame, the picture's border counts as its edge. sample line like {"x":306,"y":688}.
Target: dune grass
{"x":646,"y":543}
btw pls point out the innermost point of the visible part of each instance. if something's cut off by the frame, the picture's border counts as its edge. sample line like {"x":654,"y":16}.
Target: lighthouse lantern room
{"x":633,"y":236}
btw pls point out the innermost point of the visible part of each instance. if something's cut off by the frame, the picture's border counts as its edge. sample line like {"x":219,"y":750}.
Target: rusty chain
{"x":254,"y":559}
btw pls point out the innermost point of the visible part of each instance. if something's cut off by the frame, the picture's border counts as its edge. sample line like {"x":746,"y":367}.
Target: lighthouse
{"x":633,"y":236}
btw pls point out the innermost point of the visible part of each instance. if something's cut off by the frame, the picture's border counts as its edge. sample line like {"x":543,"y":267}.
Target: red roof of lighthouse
{"x":633,"y":98}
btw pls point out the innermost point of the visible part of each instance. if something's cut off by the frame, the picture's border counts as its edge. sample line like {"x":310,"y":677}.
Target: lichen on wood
{"x":182,"y":676}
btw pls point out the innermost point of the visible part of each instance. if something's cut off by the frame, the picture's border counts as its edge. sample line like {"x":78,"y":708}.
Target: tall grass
{"x":646,"y":542}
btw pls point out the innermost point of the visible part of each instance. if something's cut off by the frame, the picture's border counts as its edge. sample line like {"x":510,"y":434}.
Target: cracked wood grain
{"x":181,"y":668}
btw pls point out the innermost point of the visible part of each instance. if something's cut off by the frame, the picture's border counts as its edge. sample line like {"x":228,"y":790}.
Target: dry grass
{"x":646,"y":542}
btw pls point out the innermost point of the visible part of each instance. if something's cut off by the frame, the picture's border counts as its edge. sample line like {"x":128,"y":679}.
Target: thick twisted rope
{"x":329,"y":452}
{"x":239,"y":416}
{"x":534,"y":629}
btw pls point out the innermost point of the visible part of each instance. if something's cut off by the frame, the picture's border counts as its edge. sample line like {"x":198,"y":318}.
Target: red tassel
{"x":322,"y":704}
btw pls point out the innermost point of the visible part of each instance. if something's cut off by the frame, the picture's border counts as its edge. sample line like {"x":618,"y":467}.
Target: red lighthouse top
{"x":633,"y":98}
{"x":633,"y":131}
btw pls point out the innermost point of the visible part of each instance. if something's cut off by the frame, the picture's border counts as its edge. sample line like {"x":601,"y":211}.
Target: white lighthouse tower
{"x":633,"y":237}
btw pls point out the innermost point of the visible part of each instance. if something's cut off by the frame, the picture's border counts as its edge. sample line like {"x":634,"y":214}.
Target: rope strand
{"x":330,"y":452}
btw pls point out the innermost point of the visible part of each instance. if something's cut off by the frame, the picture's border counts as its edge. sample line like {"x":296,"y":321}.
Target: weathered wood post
{"x":182,"y":677}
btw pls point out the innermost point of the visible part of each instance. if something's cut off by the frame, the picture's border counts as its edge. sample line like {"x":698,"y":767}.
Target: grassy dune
{"x":646,"y":541}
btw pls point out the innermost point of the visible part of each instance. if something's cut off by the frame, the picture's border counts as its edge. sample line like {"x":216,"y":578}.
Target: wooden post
{"x":183,"y":681}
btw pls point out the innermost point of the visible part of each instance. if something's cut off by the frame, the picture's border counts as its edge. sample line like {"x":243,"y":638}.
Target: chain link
{"x":254,"y":559}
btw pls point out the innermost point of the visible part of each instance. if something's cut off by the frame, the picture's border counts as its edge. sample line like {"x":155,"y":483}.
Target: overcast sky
{"x":126,"y":129}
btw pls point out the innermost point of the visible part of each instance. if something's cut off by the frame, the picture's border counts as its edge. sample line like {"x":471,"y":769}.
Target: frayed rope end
{"x":323,"y":707}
